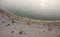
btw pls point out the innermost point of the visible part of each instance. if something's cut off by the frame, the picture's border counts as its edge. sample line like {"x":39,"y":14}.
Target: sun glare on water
{"x":43,"y":4}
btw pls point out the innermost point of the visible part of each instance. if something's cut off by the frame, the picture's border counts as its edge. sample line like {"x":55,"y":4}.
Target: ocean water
{"x":34,"y":9}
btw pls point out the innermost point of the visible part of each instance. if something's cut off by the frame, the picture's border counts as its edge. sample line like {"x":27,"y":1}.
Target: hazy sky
{"x":35,"y":8}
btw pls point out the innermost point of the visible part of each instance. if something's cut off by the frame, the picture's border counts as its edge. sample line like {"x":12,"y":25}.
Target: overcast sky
{"x":35,"y":8}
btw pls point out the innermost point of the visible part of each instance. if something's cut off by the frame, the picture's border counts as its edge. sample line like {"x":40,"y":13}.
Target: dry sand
{"x":14,"y":26}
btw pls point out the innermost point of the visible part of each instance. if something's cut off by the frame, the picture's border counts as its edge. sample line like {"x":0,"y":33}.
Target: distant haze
{"x":35,"y":9}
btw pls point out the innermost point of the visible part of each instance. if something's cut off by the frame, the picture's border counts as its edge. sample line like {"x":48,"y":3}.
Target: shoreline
{"x":26,"y":20}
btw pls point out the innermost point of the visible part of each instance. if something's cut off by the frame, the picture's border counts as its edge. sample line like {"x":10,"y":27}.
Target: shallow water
{"x":35,"y":9}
